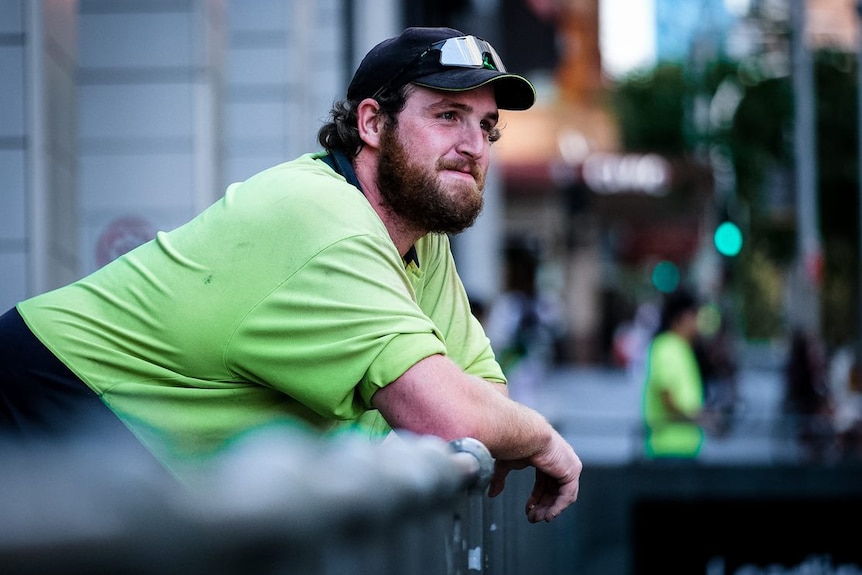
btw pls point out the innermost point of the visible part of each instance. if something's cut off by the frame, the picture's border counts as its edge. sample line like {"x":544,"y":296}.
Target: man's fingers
{"x":537,"y":513}
{"x":548,"y":498}
{"x":498,"y":480}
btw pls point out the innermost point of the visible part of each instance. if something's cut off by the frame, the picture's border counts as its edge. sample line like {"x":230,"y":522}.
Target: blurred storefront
{"x":599,"y":214}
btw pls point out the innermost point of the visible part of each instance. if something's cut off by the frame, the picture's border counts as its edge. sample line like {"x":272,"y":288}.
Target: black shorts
{"x":42,"y":404}
{"x":40,"y":398}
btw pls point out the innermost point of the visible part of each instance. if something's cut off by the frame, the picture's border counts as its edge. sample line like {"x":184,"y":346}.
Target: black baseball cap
{"x":440,"y":58}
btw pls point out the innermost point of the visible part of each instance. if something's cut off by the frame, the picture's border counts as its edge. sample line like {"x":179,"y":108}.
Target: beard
{"x":418,"y":197}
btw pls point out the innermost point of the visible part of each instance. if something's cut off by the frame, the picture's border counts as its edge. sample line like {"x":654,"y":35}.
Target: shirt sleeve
{"x":441,"y":295}
{"x":346,"y":324}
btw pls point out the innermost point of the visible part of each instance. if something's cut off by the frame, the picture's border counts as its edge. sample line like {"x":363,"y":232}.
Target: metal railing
{"x":281,"y":503}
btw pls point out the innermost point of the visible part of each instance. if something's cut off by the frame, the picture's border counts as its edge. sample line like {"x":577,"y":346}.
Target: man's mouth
{"x":465,"y":168}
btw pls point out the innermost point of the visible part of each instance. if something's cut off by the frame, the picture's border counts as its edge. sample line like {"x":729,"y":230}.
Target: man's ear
{"x":370,"y":122}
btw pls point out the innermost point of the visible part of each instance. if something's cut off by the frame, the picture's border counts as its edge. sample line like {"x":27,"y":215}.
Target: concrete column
{"x":283,"y":72}
{"x":150,"y":95}
{"x":37,"y":139}
{"x":13,"y":154}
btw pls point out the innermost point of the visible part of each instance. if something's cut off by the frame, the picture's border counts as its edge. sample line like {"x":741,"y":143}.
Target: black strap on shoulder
{"x":338,"y":161}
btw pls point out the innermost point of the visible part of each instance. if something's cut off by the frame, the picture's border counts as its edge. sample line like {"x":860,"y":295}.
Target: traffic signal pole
{"x":859,"y":181}
{"x":805,"y":296}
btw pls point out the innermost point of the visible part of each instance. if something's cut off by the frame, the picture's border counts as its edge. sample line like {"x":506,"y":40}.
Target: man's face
{"x":686,"y":324}
{"x":432,"y":164}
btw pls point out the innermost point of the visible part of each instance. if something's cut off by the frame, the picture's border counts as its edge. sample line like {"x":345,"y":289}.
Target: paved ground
{"x":598,"y":410}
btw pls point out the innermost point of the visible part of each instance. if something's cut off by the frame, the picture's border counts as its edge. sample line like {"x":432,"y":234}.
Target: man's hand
{"x":556,"y":485}
{"x":435,"y":397}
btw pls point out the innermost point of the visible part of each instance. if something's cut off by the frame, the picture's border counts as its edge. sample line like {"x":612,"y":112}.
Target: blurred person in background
{"x":673,"y":408}
{"x":845,"y":386}
{"x":524,"y":325}
{"x":808,"y":401}
{"x":631,"y":340}
{"x":717,"y":356}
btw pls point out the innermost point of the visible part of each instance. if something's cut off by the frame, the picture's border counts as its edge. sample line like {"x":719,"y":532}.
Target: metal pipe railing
{"x":280,"y":502}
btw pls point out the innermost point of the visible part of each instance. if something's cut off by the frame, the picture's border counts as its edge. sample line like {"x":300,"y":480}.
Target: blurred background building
{"x":121,"y":118}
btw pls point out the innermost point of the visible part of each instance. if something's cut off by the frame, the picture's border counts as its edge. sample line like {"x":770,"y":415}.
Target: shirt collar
{"x":338,"y":161}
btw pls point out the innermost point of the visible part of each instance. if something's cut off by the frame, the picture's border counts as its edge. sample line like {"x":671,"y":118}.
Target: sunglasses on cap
{"x":461,"y":52}
{"x":467,"y":52}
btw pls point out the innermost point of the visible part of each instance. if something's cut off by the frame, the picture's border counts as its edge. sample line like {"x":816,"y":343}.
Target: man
{"x":673,"y":394}
{"x":317,"y":291}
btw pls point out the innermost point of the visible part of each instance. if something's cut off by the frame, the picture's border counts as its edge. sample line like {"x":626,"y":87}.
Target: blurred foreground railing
{"x":281,"y":503}
{"x":290,"y":505}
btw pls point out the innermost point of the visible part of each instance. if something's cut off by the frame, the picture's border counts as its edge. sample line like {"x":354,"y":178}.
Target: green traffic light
{"x":665,"y":276}
{"x":728,"y":239}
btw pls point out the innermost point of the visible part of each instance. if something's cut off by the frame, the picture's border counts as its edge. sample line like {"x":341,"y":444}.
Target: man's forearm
{"x":434,"y":397}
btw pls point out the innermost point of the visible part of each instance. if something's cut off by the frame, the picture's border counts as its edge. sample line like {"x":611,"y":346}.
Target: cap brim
{"x":511,"y":91}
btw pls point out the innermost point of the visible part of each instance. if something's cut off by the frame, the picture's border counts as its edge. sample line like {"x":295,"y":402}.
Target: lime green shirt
{"x":285,"y":301}
{"x":672,"y":366}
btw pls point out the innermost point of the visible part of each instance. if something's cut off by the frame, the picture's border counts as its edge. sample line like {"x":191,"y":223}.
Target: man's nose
{"x":473,"y":141}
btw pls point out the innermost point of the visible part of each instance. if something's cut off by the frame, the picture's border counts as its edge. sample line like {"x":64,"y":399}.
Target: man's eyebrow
{"x":447,"y":103}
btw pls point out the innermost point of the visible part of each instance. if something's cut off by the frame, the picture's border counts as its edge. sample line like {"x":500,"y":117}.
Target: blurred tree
{"x":838,"y":145}
{"x":652,"y":110}
{"x":650,"y":105}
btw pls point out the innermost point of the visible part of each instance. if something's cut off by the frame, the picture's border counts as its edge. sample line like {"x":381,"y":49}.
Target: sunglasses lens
{"x":469,"y":51}
{"x":495,"y":59}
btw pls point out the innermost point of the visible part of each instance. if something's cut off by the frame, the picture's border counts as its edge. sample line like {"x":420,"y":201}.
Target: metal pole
{"x":474,"y":460}
{"x":859,"y":177}
{"x":809,"y":256}
{"x":280,"y":501}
